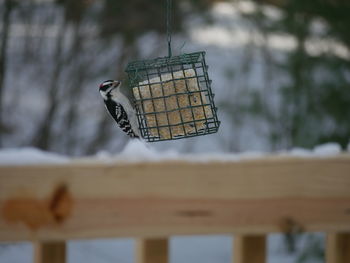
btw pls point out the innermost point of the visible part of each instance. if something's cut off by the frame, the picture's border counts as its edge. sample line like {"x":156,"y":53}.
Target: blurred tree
{"x":73,"y":14}
{"x":135,"y":17}
{"x":319,"y":91}
{"x":8,"y":6}
{"x":83,"y":31}
{"x":315,"y":104}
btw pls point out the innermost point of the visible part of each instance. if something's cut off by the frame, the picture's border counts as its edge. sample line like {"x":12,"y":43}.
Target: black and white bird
{"x":120,"y":107}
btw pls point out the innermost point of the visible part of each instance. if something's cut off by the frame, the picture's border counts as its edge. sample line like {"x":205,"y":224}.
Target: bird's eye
{"x":104,"y":86}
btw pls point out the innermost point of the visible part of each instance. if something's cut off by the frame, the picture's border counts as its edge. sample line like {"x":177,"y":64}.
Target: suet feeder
{"x":173,"y":96}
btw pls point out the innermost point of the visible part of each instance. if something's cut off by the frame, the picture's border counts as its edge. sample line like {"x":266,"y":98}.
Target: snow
{"x":136,"y":151}
{"x":25,"y":156}
{"x":140,"y":151}
{"x":327,"y":149}
{"x":323,"y":150}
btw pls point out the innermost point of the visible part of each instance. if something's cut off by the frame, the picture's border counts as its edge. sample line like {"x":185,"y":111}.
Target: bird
{"x":120,"y":107}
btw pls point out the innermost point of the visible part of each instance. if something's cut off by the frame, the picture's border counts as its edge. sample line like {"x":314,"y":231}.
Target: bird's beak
{"x":116,"y":83}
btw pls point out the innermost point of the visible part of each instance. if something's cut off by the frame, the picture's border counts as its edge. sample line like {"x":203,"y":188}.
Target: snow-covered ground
{"x":139,"y":151}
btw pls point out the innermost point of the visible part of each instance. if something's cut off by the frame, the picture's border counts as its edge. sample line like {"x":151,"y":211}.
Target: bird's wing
{"x":119,"y":114}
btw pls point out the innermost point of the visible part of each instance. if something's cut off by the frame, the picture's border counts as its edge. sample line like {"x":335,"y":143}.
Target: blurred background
{"x":280,"y":71}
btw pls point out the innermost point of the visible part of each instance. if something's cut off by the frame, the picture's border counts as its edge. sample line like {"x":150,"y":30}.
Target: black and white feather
{"x":119,"y":107}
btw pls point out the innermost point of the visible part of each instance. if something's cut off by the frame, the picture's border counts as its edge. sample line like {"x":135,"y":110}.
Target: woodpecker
{"x":120,"y":107}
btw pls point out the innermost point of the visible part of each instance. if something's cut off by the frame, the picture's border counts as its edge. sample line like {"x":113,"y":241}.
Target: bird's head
{"x":108,"y":86}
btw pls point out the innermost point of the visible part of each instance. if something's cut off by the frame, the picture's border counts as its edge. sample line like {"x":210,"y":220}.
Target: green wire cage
{"x":173,"y":97}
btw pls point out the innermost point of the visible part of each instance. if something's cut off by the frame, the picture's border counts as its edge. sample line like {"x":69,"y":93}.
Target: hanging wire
{"x":168,"y":25}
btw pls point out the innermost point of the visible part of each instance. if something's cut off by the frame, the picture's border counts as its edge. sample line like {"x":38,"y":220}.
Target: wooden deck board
{"x":154,"y":200}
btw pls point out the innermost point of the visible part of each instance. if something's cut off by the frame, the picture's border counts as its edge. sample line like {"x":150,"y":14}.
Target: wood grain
{"x":338,"y":248}
{"x":152,"y":251}
{"x":50,"y":252}
{"x":155,"y":200}
{"x":249,"y":249}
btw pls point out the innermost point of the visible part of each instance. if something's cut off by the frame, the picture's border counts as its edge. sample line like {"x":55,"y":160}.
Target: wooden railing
{"x":49,"y":204}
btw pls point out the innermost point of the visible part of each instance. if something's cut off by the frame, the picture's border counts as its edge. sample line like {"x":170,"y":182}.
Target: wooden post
{"x":338,"y":248}
{"x":50,"y":252}
{"x":152,"y":251}
{"x":249,"y":249}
